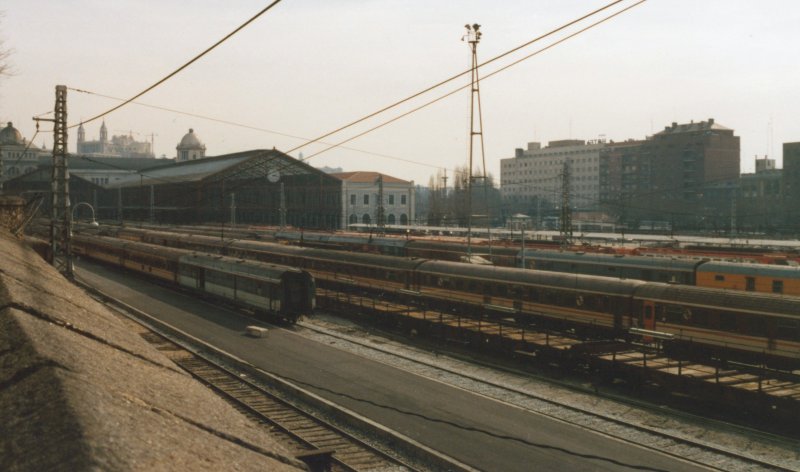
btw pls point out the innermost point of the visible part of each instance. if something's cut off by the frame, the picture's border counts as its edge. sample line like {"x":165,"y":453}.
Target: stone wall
{"x":11,"y":211}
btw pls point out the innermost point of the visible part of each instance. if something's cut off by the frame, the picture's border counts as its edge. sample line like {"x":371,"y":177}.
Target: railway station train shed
{"x":36,"y":188}
{"x":256,"y":187}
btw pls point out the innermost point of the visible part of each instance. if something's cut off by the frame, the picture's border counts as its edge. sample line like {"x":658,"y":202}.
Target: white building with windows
{"x":360,"y":198}
{"x":18,"y":156}
{"x":537,"y":172}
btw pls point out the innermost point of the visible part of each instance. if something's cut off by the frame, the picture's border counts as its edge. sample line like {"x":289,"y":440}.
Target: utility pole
{"x":233,"y":209}
{"x":473,"y":37}
{"x":61,"y":219}
{"x":444,"y":199}
{"x":733,"y":213}
{"x":282,"y":210}
{"x":152,"y":204}
{"x":380,"y":212}
{"x":566,"y":211}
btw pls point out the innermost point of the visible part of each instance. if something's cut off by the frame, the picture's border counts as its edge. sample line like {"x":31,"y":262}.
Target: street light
{"x":94,"y":221}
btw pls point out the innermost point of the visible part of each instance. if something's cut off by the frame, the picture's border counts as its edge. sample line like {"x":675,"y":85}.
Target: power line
{"x":179,"y":69}
{"x":386,"y":108}
{"x":443,"y":82}
{"x":440,"y":98}
{"x":414,"y":110}
{"x":251,"y":127}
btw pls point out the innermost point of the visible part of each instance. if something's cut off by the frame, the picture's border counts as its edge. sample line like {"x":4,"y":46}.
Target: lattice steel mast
{"x":473,"y":37}
{"x":566,"y":210}
{"x":61,"y":219}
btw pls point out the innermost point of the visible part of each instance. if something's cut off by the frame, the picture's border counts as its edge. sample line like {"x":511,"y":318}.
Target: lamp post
{"x":94,"y":221}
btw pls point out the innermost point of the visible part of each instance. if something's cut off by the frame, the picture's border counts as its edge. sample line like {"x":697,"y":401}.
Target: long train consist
{"x":701,"y":272}
{"x":279,"y":291}
{"x":763,"y":327}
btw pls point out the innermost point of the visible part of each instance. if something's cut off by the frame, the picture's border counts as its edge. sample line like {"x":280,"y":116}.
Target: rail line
{"x":309,"y":436}
{"x":282,"y":419}
{"x":694,"y":451}
{"x":764,"y":391}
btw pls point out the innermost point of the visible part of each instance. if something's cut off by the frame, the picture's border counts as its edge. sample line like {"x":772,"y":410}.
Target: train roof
{"x":155,"y":249}
{"x":618,"y":260}
{"x":365,"y":259}
{"x":261,"y":270}
{"x":735,"y":300}
{"x":459,"y":247}
{"x":264,"y":246}
{"x":137,"y":246}
{"x":755,"y":270}
{"x":587,"y":283}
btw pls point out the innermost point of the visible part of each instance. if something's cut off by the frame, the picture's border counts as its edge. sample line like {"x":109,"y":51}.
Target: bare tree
{"x":5,"y":66}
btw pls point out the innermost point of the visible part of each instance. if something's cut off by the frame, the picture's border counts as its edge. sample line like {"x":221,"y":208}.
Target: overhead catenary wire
{"x":442,"y":97}
{"x":366,"y":117}
{"x":254,"y":128}
{"x":454,"y":77}
{"x":550,"y":33}
{"x":184,"y":66}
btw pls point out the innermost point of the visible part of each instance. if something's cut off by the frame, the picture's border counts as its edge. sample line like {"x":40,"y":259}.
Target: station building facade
{"x":361,"y":199}
{"x":264,"y":187}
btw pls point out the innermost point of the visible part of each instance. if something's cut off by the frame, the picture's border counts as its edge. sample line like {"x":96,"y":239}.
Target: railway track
{"x":647,"y":433}
{"x":305,"y":436}
{"x":697,"y":451}
{"x":312,"y":437}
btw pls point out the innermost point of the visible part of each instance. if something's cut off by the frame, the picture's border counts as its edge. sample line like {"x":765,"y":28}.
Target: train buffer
{"x":256,"y":331}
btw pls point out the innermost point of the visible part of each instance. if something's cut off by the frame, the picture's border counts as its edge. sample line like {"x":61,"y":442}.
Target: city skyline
{"x":305,"y":69}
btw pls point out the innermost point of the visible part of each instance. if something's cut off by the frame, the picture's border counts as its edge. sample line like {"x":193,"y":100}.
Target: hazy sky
{"x":310,"y":66}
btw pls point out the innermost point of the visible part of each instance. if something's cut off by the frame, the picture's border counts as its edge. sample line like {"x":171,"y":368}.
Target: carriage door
{"x":200,"y":279}
{"x":649,"y":315}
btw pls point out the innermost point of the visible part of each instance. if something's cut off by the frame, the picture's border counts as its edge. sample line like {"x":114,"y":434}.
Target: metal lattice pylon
{"x":60,"y":221}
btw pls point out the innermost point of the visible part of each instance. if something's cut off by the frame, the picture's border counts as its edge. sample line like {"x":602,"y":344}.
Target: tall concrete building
{"x":536,"y":172}
{"x":791,"y":184}
{"x":760,"y":203}
{"x":686,"y":174}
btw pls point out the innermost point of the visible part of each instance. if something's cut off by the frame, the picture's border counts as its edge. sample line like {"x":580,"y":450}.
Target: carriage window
{"x":727,"y":322}
{"x":777,"y":286}
{"x":788,"y":329}
{"x":753,"y":325}
{"x":675,"y":314}
{"x":750,"y":284}
{"x":719,"y":278}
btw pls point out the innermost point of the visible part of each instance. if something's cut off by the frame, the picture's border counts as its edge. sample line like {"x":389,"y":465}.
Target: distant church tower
{"x":81,"y":135}
{"x":103,"y":133}
{"x":190,"y":148}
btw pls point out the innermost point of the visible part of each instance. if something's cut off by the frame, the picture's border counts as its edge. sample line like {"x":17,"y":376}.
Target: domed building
{"x":190,"y":148}
{"x":17,"y":155}
{"x":11,"y":136}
